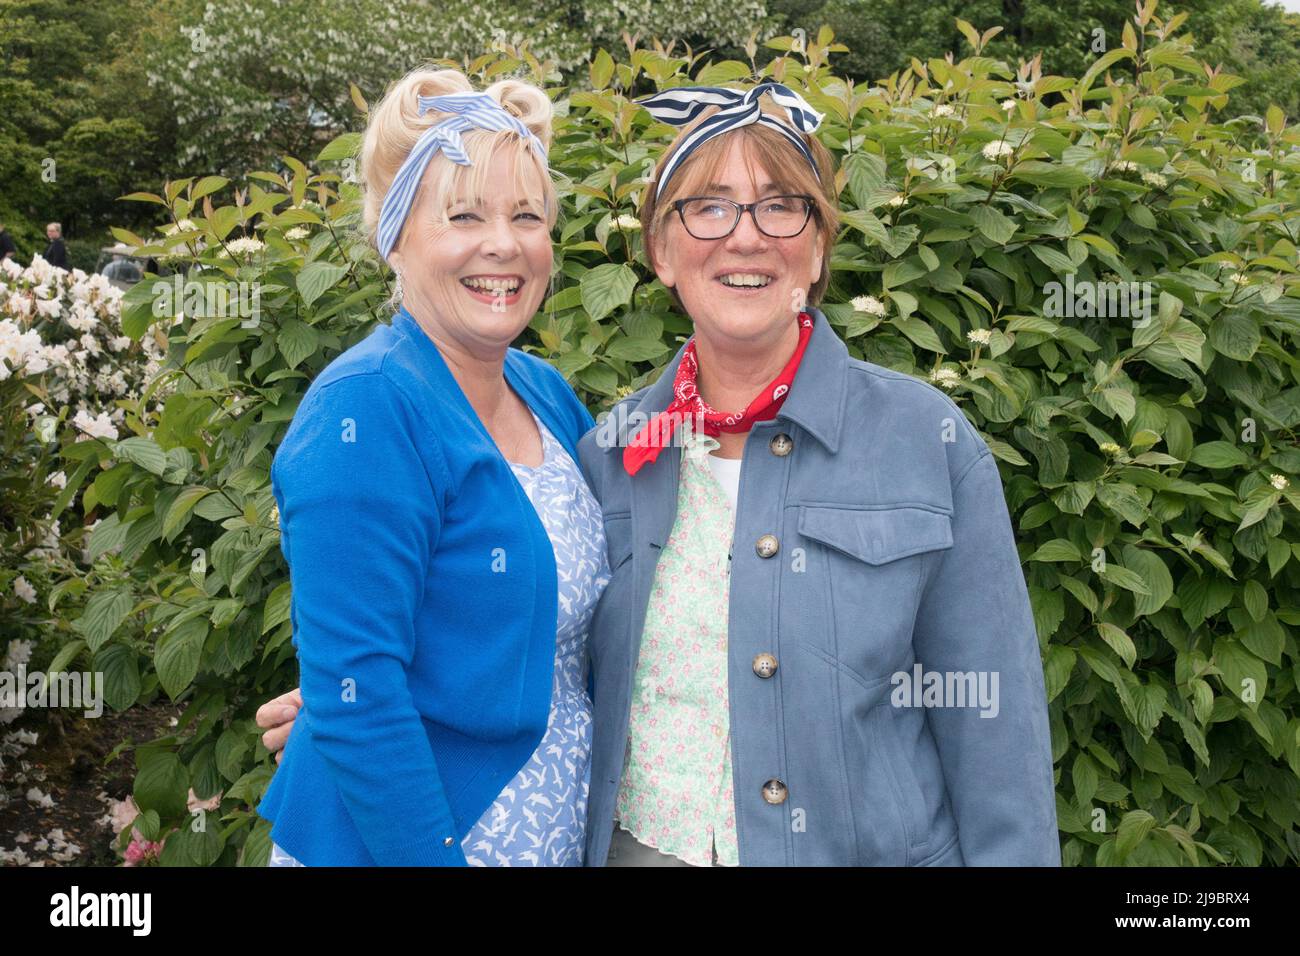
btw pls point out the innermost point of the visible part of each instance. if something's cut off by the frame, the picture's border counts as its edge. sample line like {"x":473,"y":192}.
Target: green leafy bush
{"x":1147,"y":454}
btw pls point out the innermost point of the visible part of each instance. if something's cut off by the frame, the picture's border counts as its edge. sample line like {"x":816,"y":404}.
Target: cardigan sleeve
{"x":975,"y":616}
{"x":360,"y":518}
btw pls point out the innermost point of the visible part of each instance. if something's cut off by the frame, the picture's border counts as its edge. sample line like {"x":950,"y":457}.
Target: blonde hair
{"x":785,"y":166}
{"x":395,"y":125}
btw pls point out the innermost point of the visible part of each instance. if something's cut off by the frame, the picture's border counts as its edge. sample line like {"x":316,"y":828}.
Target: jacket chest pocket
{"x":871,"y":565}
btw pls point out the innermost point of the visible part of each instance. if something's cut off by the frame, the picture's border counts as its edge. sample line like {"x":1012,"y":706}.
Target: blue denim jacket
{"x":894,"y":569}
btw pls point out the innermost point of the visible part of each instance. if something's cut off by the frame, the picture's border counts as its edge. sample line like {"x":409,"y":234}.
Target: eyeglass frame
{"x":743,"y":207}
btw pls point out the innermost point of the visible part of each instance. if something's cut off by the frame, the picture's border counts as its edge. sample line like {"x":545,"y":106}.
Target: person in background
{"x":7,"y":247}
{"x":56,"y":253}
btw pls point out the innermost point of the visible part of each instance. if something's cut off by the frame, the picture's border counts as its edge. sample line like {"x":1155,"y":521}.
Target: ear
{"x":817,"y":256}
{"x":664,"y":270}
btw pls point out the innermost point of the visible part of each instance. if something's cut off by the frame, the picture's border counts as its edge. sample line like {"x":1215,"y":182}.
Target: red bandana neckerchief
{"x":687,"y":403}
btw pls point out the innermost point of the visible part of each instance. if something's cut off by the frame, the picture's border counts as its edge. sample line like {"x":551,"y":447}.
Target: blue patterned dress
{"x":540,"y":817}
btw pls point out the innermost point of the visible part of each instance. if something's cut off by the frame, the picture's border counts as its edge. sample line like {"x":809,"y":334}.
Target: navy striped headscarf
{"x":681,"y":106}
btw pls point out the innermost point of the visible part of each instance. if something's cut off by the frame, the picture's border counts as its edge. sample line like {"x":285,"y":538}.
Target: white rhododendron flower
{"x":98,"y":427}
{"x":24,"y":590}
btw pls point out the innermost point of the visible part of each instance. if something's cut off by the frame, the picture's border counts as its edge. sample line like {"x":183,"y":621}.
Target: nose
{"x":746,"y":236}
{"x":500,"y":239}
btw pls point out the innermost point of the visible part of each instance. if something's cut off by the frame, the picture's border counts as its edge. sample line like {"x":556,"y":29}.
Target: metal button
{"x":767,"y":546}
{"x":774,"y":792}
{"x":448,"y":842}
{"x":781,"y":445}
{"x":764,"y":665}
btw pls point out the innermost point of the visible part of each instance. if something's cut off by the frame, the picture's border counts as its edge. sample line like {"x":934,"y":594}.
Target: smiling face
{"x":475,"y":272}
{"x":697,"y":267}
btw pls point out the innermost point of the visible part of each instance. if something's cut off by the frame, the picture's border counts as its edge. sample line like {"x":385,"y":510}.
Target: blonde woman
{"x":444,"y":551}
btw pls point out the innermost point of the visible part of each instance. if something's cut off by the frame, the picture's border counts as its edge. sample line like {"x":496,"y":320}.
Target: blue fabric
{"x":895,"y":551}
{"x":539,"y":818}
{"x":423,"y":609}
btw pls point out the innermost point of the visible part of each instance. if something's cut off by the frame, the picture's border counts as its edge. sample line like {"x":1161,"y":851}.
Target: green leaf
{"x":296,"y":340}
{"x":1057,"y":667}
{"x":161,"y":784}
{"x":1243,"y":674}
{"x":104,"y":612}
{"x":1121,"y":576}
{"x":1154,"y":573}
{"x":606,"y":287}
{"x":1133,"y":828}
{"x":67,"y":653}
{"x":1084,"y":775}
{"x":1255,"y":599}
{"x":232,"y":745}
{"x":867,"y":224}
{"x":1235,"y":335}
{"x":121,"y":671}
{"x":996,"y":226}
{"x":342,"y":146}
{"x":1218,"y":454}
{"x":631,"y":349}
{"x":276,"y":610}
{"x":176,"y":658}
{"x":1058,"y":549}
{"x":1121,"y":402}
{"x":108,"y":534}
{"x":919,"y":332}
{"x":316,"y":277}
{"x":180,"y":509}
{"x":206,"y":186}
{"x":143,"y":452}
{"x":1119,"y":642}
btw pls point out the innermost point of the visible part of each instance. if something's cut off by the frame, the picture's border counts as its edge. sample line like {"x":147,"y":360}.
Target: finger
{"x":274,"y":739}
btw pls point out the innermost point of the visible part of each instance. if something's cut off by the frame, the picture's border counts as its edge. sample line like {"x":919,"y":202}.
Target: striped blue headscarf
{"x":473,"y":111}
{"x":681,"y":106}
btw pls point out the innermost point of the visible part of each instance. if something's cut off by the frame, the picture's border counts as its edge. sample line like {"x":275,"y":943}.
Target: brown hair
{"x":765,"y":148}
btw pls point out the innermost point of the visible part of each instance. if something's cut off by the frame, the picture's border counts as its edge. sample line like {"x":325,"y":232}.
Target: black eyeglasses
{"x":712,"y":217}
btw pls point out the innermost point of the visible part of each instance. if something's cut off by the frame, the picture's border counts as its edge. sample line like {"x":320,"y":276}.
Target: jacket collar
{"x":816,"y":399}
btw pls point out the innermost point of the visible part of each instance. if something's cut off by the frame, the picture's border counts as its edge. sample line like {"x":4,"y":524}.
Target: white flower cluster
{"x":868,"y":304}
{"x":945,"y":377}
{"x":68,"y":324}
{"x":997,"y":149}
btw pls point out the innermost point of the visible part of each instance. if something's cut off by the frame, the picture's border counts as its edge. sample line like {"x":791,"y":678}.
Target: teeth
{"x":508,"y":286}
{"x":746,"y":279}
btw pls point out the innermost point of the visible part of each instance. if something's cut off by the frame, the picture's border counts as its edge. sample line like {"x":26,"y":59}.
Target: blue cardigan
{"x":424,"y":604}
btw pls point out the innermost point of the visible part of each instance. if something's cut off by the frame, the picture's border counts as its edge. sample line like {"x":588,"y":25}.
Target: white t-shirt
{"x":727,"y":473}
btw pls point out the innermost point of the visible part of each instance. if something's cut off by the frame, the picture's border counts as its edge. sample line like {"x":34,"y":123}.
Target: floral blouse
{"x":676,"y":790}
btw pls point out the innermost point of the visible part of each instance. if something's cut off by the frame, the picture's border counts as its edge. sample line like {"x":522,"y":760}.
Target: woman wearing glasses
{"x":816,"y":646}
